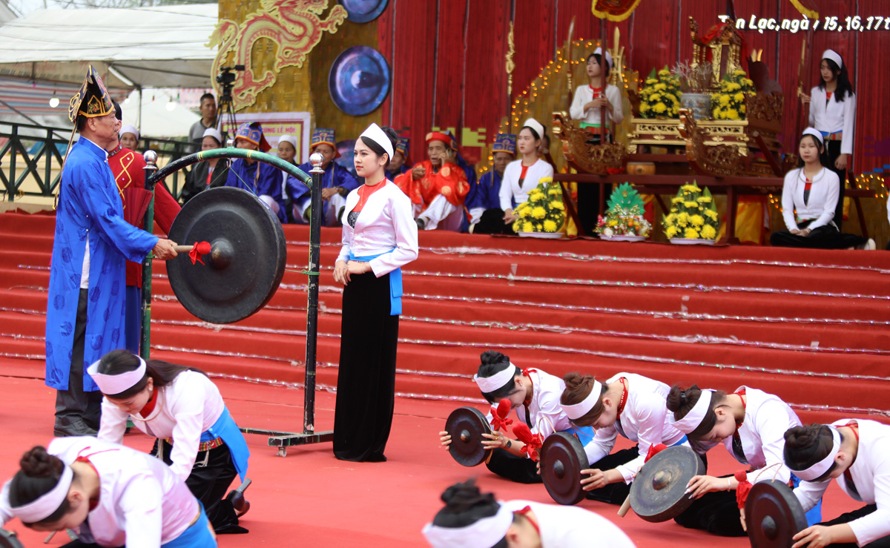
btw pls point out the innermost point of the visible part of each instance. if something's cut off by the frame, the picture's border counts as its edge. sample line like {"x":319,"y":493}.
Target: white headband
{"x":496,"y":381}
{"x":112,"y":385}
{"x":693,"y":419}
{"x":484,"y":532}
{"x":814,"y":132}
{"x":608,"y":56}
{"x":377,"y":135}
{"x":817,"y":470}
{"x":834,"y":56}
{"x":129,"y":129}
{"x":578,"y":410}
{"x":535,"y":125}
{"x":45,"y":505}
{"x":288,"y":139}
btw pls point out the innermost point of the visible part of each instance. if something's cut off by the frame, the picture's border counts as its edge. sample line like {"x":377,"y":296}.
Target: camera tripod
{"x":226,"y":119}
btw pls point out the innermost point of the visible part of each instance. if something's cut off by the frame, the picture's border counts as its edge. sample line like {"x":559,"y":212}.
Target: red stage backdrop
{"x":448,"y":58}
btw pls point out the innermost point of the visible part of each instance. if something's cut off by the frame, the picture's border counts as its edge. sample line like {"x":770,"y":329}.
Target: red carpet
{"x":810,"y":326}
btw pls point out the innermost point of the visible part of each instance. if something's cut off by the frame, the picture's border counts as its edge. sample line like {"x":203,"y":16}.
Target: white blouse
{"x":185,"y":408}
{"x":584,"y":95}
{"x":386,"y":223}
{"x":832,"y":116}
{"x":763,"y":435}
{"x":511,"y":191}
{"x":871,"y":476}
{"x":823,"y":198}
{"x":142,"y":503}
{"x":571,"y":526}
{"x":645,"y":420}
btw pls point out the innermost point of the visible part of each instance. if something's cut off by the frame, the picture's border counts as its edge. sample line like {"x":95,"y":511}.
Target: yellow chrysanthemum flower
{"x":670,"y":231}
{"x":659,"y":108}
{"x":682,"y":219}
{"x":708,"y":232}
{"x":550,"y":226}
{"x":528,"y":227}
{"x":711,"y":214}
{"x":697,"y":220}
{"x":692,"y":204}
{"x":690,"y":234}
{"x":539,"y":212}
{"x":704,"y":199}
{"x":556,"y":204}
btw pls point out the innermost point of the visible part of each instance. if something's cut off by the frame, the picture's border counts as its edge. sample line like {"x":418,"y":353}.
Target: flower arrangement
{"x":624,"y":216}
{"x":544,"y":211}
{"x":697,"y":79}
{"x":729,"y":102}
{"x":693,"y":215}
{"x":660,"y":97}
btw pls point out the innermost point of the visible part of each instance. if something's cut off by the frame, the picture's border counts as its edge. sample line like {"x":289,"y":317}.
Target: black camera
{"x":226,"y":75}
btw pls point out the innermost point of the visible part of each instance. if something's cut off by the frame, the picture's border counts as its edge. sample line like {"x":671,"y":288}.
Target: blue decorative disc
{"x":362,"y":11}
{"x":359,"y":80}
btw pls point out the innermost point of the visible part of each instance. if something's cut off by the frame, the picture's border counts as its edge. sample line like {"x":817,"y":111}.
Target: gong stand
{"x":279,"y":439}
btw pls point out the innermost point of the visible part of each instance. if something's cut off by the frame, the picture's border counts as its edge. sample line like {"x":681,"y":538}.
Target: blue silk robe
{"x":260,"y":179}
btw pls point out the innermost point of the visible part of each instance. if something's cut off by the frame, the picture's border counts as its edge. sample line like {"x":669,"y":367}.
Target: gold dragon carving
{"x":294,"y":26}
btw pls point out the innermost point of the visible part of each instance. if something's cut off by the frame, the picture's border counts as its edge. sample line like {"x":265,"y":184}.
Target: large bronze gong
{"x":658,"y":493}
{"x":466,"y":426}
{"x":773,"y":515}
{"x":562,"y":459}
{"x":247,"y":258}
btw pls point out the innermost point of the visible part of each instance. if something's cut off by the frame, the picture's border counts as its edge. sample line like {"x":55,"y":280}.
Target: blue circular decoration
{"x":362,"y":11}
{"x":359,"y":80}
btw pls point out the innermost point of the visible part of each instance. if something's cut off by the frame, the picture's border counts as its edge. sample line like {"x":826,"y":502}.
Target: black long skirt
{"x":366,"y":381}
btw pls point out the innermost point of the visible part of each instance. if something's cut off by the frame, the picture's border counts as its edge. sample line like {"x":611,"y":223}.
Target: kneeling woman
{"x":534,"y":395}
{"x":184,"y":410}
{"x":110,"y":495}
{"x":471,"y":519}
{"x":855,"y":453}
{"x":751,"y":424}
{"x":627,"y":404}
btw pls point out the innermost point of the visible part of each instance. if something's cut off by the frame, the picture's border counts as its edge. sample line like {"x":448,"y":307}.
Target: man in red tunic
{"x":437,"y":186}
{"x":128,"y":168}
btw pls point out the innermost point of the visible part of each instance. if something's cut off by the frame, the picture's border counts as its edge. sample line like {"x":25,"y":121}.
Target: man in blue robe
{"x":483,"y":203}
{"x":336,"y":182}
{"x":87,"y":274}
{"x":259,"y":178}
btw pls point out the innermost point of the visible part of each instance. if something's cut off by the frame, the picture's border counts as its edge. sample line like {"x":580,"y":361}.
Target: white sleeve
{"x":576,"y":111}
{"x":809,"y":493}
{"x":506,"y":193}
{"x":788,"y":199}
{"x":876,"y":525}
{"x":651,"y":432}
{"x":614,"y":95}
{"x":141,"y":505}
{"x":601,"y":444}
{"x":476,"y":214}
{"x":773,"y":419}
{"x":406,"y":237}
{"x":113,"y":424}
{"x":849,"y":124}
{"x":831,"y":198}
{"x":548,"y":414}
{"x":188,"y":409}
{"x":812,"y":114}
{"x":5,"y":510}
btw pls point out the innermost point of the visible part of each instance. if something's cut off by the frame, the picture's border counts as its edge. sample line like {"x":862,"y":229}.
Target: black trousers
{"x":211,"y":476}
{"x":717,"y":513}
{"x":367,"y":376}
{"x":78,"y":411}
{"x":824,"y":237}
{"x":613,"y":493}
{"x":832,"y":151}
{"x":856,"y":514}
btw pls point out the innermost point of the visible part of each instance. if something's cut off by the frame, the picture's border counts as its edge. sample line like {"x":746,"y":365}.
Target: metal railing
{"x":31,"y":159}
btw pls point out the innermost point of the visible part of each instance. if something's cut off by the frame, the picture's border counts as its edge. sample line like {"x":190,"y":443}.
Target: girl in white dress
{"x":471,"y":519}
{"x":857,"y":454}
{"x":523,"y":175}
{"x":195,"y":432}
{"x":110,"y":495}
{"x":751,"y":425}
{"x":627,"y":404}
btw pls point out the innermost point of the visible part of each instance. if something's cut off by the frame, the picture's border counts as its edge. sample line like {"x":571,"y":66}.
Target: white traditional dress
{"x":514,"y":190}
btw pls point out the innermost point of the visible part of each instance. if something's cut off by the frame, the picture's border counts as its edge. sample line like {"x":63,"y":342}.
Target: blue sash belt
{"x":395,"y":282}
{"x":225,"y":428}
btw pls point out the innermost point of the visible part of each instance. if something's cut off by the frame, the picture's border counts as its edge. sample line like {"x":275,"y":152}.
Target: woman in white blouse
{"x":751,"y":425}
{"x":856,"y":453}
{"x":627,"y":404}
{"x":379,"y":237}
{"x":195,"y":433}
{"x":108,"y":494}
{"x":833,"y":113}
{"x":809,"y":196}
{"x":523,"y":175}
